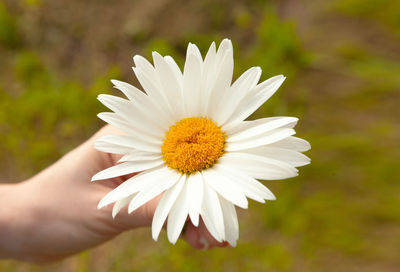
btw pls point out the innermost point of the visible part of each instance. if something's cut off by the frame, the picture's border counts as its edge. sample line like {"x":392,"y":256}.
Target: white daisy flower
{"x":187,"y":137}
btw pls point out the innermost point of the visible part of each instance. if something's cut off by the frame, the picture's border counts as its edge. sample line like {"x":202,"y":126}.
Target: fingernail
{"x":225,"y":244}
{"x":185,"y":227}
{"x":204,"y":242}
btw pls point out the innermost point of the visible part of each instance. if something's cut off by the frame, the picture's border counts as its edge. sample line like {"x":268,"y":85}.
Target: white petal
{"x":136,"y":118}
{"x":153,"y":190}
{"x":191,"y":85}
{"x":209,"y":59}
{"x":225,"y":187}
{"x":247,"y":81}
{"x":237,"y":92}
{"x":136,"y":130}
{"x":130,"y":91}
{"x":135,"y":184}
{"x":111,"y":147}
{"x":175,"y":69}
{"x":255,"y":98}
{"x":126,"y":168}
{"x":177,"y":216}
{"x":248,"y":129}
{"x":120,"y":140}
{"x":221,"y":76}
{"x":195,"y":192}
{"x":138,"y":155}
{"x":230,"y":221}
{"x":243,"y":187}
{"x":147,"y":76}
{"x":221,"y":87}
{"x":120,"y":204}
{"x":193,"y":49}
{"x":117,"y":104}
{"x":251,"y":187}
{"x":164,"y":206}
{"x":291,"y":157}
{"x":155,"y":91}
{"x":142,"y":102}
{"x":135,"y":140}
{"x":292,"y":143}
{"x":260,"y":139}
{"x":144,"y":65}
{"x":208,"y":76}
{"x":259,"y":167}
{"x":225,"y":46}
{"x":117,"y":121}
{"x":169,"y":84}
{"x":211,"y":214}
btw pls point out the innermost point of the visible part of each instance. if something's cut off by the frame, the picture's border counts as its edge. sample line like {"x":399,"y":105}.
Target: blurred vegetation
{"x":386,"y":12}
{"x":49,"y":116}
{"x":342,"y":62}
{"x":8,"y":28}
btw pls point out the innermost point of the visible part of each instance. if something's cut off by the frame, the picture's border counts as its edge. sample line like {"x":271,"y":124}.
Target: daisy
{"x":187,"y":137}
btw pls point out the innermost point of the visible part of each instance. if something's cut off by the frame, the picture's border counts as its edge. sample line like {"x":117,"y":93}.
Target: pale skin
{"x":54,"y":214}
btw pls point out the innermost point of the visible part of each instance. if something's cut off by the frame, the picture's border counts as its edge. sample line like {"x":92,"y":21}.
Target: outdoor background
{"x":342,"y":62}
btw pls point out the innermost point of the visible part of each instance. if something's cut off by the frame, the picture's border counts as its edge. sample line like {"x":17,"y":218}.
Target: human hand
{"x":54,"y":214}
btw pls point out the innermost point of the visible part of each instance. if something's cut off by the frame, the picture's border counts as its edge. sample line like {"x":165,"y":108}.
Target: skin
{"x":54,"y":214}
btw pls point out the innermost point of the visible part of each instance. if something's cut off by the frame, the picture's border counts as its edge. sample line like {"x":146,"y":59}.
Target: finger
{"x":109,"y":159}
{"x":141,"y":217}
{"x":200,"y":238}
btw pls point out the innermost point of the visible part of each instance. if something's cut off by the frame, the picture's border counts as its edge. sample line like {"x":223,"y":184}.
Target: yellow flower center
{"x":193,"y":144}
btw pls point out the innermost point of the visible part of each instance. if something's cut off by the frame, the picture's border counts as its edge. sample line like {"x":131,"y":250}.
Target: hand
{"x":54,"y":214}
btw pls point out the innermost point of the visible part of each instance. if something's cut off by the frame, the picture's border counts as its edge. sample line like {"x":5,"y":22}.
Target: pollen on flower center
{"x":193,"y":144}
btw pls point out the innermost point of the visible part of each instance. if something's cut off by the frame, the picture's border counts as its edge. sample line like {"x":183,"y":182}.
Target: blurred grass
{"x":49,"y":116}
{"x":341,"y":214}
{"x":8,"y":28}
{"x":386,"y":12}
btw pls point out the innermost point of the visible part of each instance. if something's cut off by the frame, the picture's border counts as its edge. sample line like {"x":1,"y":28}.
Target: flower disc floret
{"x":193,"y":144}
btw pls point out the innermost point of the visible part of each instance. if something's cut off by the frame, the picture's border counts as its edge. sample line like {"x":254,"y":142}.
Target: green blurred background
{"x":342,"y":60}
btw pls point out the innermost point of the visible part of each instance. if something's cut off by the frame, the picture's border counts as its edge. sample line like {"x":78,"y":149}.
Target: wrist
{"x":10,"y":209}
{"x":19,"y":220}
